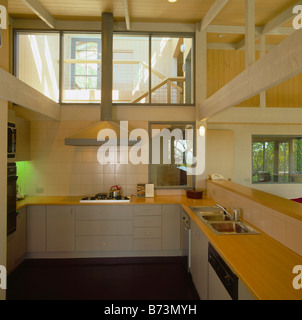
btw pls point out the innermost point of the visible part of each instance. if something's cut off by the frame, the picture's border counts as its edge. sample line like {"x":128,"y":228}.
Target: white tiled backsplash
{"x":59,"y":170}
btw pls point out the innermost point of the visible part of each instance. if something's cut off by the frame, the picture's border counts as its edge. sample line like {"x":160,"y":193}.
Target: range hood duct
{"x":88,"y":137}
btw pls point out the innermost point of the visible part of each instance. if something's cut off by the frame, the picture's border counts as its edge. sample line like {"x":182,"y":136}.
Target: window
{"x":153,"y":69}
{"x":82,"y":68}
{"x":148,"y":68}
{"x":171,"y":153}
{"x":277,"y":159}
{"x":37,"y":61}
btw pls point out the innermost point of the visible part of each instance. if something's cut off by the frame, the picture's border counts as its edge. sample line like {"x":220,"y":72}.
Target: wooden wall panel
{"x":224,"y":65}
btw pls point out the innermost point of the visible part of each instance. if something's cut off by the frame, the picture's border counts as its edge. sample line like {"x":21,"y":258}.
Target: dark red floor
{"x":101,"y":279}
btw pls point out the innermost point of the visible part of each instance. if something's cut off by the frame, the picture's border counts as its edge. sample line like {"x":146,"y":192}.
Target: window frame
{"x":279,"y":139}
{"x":183,"y":187}
{"x":150,"y":34}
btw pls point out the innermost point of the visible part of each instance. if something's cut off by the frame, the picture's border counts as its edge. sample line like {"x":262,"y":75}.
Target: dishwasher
{"x":185,"y":240}
{"x":223,"y":283}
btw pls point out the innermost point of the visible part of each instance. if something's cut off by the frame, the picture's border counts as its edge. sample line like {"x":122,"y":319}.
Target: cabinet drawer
{"x":148,"y":221}
{"x":99,"y":228}
{"x":147,"y":233}
{"x":104,"y":212}
{"x":147,"y":244}
{"x":148,"y":209}
{"x":103,"y":243}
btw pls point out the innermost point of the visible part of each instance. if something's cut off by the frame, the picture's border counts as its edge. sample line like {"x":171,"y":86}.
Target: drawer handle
{"x":147,"y":244}
{"x":104,"y":244}
{"x":147,"y":233}
{"x":148,"y":221}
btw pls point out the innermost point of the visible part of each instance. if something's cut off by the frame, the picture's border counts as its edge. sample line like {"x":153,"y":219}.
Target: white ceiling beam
{"x":278,"y":65}
{"x":273,"y":27}
{"x":127,"y":17}
{"x":282,"y":31}
{"x":249,"y":32}
{"x":41,"y":12}
{"x":215,"y":9}
{"x":279,"y":20}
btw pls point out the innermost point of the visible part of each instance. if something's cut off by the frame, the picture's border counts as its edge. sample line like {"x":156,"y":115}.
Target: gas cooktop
{"x":100,"y":198}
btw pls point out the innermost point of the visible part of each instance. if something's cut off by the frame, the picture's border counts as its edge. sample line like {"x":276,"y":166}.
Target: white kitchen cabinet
{"x":199,"y":260}
{"x":60,"y":229}
{"x":16,"y":242}
{"x":36,"y":229}
{"x":147,"y":228}
{"x":21,"y":236}
{"x":170,"y":227}
{"x":107,"y":228}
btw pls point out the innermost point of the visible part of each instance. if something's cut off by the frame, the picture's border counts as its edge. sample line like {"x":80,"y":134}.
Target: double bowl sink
{"x":220,"y":222}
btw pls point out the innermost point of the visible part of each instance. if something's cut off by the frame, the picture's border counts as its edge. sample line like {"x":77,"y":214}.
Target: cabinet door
{"x":60,"y":229}
{"x":21,"y":236}
{"x":36,"y":229}
{"x":170,"y":227}
{"x":199,"y":260}
{"x":194,"y":244}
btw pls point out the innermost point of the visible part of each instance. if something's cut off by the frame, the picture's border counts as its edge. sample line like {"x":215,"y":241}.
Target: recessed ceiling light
{"x":172,"y":0}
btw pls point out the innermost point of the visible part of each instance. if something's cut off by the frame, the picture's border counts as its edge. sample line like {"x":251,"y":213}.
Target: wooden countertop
{"x":264,"y":265}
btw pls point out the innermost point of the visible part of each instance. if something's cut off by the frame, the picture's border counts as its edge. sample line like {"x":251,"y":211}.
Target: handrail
{"x":167,"y":81}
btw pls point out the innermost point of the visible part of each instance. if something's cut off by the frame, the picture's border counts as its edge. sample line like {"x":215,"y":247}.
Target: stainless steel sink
{"x":231,"y":227}
{"x":221,"y":223}
{"x":215,"y":217}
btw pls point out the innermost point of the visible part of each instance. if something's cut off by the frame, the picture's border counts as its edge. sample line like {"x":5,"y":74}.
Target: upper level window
{"x":277,"y":159}
{"x":147,"y":68}
{"x":37,"y":61}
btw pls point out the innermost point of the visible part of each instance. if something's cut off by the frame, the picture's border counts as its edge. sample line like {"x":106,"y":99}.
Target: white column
{"x":249,"y":32}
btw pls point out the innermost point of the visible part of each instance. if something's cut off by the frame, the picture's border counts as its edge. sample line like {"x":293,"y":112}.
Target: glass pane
{"x":172,"y":70}
{"x":170,"y":160}
{"x":82,"y":81}
{"x":130,"y":69}
{"x":92,"y":83}
{"x":82,"y":55}
{"x":92,"y":69}
{"x":38,"y":62}
{"x":80,"y":69}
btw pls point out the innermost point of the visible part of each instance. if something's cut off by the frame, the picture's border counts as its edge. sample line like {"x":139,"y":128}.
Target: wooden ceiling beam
{"x":280,"y":64}
{"x":41,"y":12}
{"x":215,"y":9}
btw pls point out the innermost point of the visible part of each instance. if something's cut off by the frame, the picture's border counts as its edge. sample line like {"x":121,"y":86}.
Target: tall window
{"x":277,"y":159}
{"x":37,"y":61}
{"x":82,"y":68}
{"x":86,"y":75}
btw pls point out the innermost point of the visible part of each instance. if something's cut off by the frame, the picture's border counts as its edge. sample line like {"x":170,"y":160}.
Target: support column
{"x":249,"y":32}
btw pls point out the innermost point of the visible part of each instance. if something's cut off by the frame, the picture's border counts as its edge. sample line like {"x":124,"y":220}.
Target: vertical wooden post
{"x":169,"y":91}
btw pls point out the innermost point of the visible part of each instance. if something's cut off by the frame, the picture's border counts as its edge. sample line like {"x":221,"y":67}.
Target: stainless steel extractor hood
{"x":88,"y":137}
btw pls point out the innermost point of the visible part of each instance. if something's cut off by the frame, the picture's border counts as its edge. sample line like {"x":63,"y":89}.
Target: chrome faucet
{"x":225,"y":211}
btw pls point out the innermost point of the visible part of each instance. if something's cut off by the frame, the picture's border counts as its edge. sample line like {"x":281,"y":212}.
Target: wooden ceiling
{"x":182,"y":11}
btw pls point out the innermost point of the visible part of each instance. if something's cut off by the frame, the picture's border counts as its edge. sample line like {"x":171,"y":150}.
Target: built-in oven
{"x":185,"y":240}
{"x":11,"y":141}
{"x":11,"y":198}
